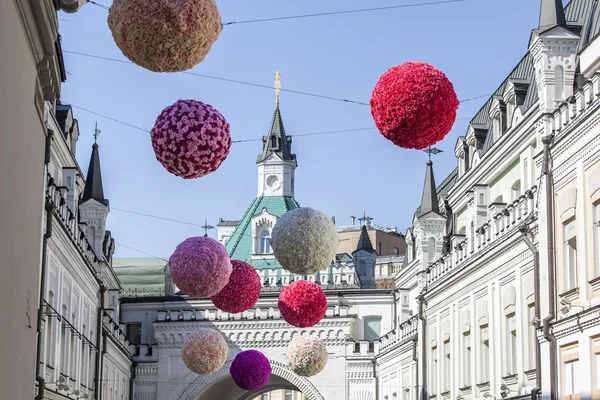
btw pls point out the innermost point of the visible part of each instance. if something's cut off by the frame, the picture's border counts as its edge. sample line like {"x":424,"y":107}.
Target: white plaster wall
{"x":22,"y":138}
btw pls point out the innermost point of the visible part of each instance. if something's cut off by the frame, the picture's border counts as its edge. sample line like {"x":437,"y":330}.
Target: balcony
{"x":406,"y":331}
{"x":503,"y":224}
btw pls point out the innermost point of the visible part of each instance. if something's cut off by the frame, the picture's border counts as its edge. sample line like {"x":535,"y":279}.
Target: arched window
{"x":516,"y":190}
{"x":265,"y":242}
{"x":431,"y":249}
{"x":559,"y":86}
{"x":274,"y":142}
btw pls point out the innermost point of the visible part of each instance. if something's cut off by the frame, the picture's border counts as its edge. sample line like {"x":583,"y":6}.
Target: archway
{"x":220,"y":385}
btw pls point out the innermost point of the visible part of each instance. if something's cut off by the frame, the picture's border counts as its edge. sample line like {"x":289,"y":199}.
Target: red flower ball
{"x":190,"y":139}
{"x":414,"y":105}
{"x":302,"y":303}
{"x":242,"y":291}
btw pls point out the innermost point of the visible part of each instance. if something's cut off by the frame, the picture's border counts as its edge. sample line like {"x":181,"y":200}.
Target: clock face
{"x":273,"y":182}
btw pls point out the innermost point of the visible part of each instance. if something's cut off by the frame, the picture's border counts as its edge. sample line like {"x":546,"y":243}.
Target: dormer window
{"x":265,"y":242}
{"x":274,"y":142}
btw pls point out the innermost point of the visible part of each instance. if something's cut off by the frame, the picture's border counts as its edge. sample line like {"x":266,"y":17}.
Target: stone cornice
{"x":576,"y":323}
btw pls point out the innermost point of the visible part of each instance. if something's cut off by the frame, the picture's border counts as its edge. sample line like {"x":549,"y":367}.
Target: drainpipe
{"x":132,"y":377}
{"x":395,"y":316}
{"x":420,"y":301}
{"x":49,"y":208}
{"x":524,"y":229}
{"x":547,"y":170}
{"x":415,"y":340}
{"x":99,"y":334}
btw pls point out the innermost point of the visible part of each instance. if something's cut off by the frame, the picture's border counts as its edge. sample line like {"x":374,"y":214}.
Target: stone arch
{"x":203,"y":382}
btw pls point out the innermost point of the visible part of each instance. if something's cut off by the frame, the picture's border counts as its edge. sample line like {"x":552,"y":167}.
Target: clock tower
{"x":276,"y":163}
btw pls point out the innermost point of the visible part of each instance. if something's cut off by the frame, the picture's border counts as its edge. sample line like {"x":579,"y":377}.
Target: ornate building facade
{"x":501,"y":280}
{"x":83,"y":349}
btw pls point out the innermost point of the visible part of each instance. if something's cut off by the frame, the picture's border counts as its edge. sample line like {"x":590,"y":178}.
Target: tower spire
{"x":429,"y":200}
{"x":552,"y":14}
{"x":93,"y":182}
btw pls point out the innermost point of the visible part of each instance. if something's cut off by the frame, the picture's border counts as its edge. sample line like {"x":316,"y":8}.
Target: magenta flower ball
{"x":242,"y":291}
{"x":190,"y":139}
{"x":414,"y":105}
{"x":200,"y":267}
{"x":165,"y":35}
{"x":205,"y":351}
{"x":302,"y":303}
{"x":250,"y":370}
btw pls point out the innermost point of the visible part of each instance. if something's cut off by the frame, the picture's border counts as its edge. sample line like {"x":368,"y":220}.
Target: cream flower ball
{"x":205,"y":351}
{"x":304,"y":241}
{"x":307,"y":355}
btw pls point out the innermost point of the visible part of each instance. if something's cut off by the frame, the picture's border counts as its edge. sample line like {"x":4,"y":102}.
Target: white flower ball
{"x":307,"y":355}
{"x":304,"y":241}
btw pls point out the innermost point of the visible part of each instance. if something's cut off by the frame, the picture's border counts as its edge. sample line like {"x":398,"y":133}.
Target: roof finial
{"x":277,"y":86}
{"x":96,"y":133}
{"x":206,"y":227}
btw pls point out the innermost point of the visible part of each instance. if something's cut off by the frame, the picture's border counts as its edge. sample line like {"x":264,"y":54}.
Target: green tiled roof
{"x":240,"y":245}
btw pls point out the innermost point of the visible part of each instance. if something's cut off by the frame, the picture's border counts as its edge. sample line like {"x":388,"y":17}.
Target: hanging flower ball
{"x":205,"y":351}
{"x":165,"y":35}
{"x":200,"y":267}
{"x":190,"y":138}
{"x":304,"y":241}
{"x":307,"y":355}
{"x":414,"y":105}
{"x":242,"y":291}
{"x":250,"y":370}
{"x":302,"y":303}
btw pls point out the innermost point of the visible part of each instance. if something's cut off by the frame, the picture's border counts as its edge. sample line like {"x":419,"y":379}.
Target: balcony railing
{"x":501,"y":225}
{"x":406,"y":331}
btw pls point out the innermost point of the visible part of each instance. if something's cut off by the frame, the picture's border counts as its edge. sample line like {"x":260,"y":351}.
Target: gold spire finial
{"x":277,"y":86}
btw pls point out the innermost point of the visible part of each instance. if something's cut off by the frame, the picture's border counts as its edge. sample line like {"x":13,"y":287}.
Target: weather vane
{"x":365,"y":220}
{"x":206,"y":227}
{"x":96,"y":132}
{"x":277,"y":86}
{"x":432,"y":150}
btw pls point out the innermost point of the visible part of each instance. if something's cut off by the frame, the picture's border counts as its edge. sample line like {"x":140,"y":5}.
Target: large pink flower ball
{"x":165,"y":35}
{"x":190,"y":139}
{"x":242,"y":291}
{"x":307,"y":355}
{"x":250,"y":370}
{"x":205,"y":351}
{"x":414,"y":105}
{"x":302,"y":303}
{"x":200,"y":267}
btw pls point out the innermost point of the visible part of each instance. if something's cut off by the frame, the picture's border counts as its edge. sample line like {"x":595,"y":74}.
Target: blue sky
{"x":475,"y":42}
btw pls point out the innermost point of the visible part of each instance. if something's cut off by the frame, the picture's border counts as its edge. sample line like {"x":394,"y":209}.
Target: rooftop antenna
{"x":206,"y":227}
{"x":432,"y":150}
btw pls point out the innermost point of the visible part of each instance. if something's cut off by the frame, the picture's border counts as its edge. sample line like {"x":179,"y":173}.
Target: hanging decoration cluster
{"x":190,"y":139}
{"x":250,"y":370}
{"x":165,"y":35}
{"x":242,"y":291}
{"x":307,"y":355}
{"x":302,"y":303}
{"x":200,"y":267}
{"x":205,"y":351}
{"x":304,"y":241}
{"x":414,"y":105}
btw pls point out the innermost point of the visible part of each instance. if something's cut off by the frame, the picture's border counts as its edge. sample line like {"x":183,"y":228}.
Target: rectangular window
{"x":511,"y":345}
{"x":434,"y":367}
{"x":265,"y":396}
{"x":372,"y":328}
{"x":597,"y":240}
{"x":570,"y":256}
{"x":570,"y":377}
{"x":379,"y":253}
{"x":466,"y":370}
{"x":396,"y":251}
{"x":532,"y":337}
{"x":570,"y":371}
{"x":595,"y":347}
{"x":484,"y":358}
{"x":481,"y":198}
{"x":289,"y":395}
{"x":134,"y":333}
{"x":447,"y":366}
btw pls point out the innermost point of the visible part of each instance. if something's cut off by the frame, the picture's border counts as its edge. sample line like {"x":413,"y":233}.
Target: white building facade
{"x":501,"y":284}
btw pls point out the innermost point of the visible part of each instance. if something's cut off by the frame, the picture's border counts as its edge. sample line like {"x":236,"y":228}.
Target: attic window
{"x":273,"y":142}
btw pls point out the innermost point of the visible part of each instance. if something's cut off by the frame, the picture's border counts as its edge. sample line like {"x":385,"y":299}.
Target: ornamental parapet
{"x":504,"y":222}
{"x":405,"y":332}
